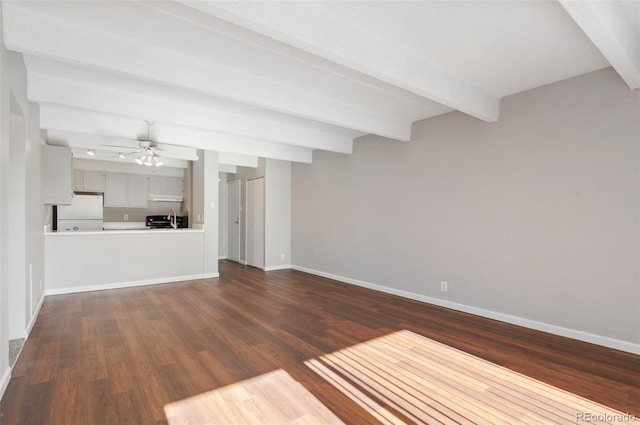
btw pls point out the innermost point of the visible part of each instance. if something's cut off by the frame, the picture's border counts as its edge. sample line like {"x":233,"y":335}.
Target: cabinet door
{"x":158,"y":185}
{"x":78,"y":180}
{"x":175,"y":186}
{"x":57,"y":174}
{"x":115,"y":190}
{"x":138,"y":191}
{"x":93,"y":181}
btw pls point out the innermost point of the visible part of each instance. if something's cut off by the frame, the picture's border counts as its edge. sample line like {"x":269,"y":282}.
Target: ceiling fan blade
{"x":171,"y":144}
{"x":120,"y":146}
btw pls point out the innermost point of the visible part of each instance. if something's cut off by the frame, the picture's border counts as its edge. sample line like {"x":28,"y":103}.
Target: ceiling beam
{"x":28,"y":31}
{"x":66,"y":122}
{"x":608,"y":27}
{"x":44,"y":88}
{"x":324,"y":34}
{"x":237,"y":159}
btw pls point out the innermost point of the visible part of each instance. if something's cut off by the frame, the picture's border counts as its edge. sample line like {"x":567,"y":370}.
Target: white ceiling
{"x":281,"y":79}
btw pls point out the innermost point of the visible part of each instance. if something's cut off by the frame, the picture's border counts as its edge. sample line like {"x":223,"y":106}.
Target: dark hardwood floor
{"x":120,"y":356}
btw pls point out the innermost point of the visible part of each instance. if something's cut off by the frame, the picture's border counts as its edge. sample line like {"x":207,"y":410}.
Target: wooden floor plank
{"x":123,"y":356}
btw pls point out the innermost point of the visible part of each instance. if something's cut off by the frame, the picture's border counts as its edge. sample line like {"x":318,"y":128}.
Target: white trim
{"x":272,"y":268}
{"x":229,"y":183}
{"x":210,"y":275}
{"x":222,"y":257}
{"x":4,"y":381}
{"x":117,"y":285}
{"x":34,"y":317}
{"x":617,"y":344}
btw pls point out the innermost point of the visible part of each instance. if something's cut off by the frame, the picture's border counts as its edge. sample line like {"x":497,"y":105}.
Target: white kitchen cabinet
{"x":158,"y":185}
{"x":138,"y":191}
{"x":126,"y":190}
{"x":78,"y":179}
{"x":57,"y":173}
{"x":115,"y":190}
{"x":88,"y":181}
{"x":175,"y":186}
{"x":163,"y":185}
{"x":93,"y":181}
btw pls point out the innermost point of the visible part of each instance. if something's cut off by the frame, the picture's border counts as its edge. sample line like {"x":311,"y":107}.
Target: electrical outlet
{"x":444,"y":286}
{"x":283,"y":256}
{"x":126,"y":217}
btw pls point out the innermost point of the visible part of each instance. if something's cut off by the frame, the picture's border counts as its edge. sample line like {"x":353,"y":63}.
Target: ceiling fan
{"x":147,"y":151}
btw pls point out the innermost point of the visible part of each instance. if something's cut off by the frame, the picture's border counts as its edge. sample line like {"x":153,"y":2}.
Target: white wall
{"x":22,"y":213}
{"x":533,"y":219}
{"x":222,"y":216}
{"x":5,"y":371}
{"x":211,"y":209}
{"x":89,"y":261}
{"x":36,"y":216}
{"x":205,"y":206}
{"x":277,"y":214}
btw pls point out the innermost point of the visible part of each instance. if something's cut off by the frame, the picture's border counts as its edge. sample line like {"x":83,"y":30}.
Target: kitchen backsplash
{"x":140,"y":214}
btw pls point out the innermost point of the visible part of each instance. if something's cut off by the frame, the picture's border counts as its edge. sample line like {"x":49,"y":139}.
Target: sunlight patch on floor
{"x":406,"y":378}
{"x":272,"y":398}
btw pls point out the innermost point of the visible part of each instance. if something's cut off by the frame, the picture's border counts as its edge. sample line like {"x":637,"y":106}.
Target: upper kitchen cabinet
{"x":175,"y":186}
{"x":138,"y":191}
{"x":115,"y":190}
{"x":166,"y":188}
{"x":57,"y":172}
{"x":126,"y":190}
{"x":88,"y":181}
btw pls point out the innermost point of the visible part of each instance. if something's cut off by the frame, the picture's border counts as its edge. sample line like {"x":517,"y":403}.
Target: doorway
{"x":233,"y":221}
{"x":255,"y":222}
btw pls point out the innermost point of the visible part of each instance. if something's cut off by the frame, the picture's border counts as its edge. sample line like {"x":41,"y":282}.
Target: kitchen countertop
{"x":125,"y":232}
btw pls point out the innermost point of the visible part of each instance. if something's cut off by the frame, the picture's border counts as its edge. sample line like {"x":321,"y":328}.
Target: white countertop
{"x":125,"y":232}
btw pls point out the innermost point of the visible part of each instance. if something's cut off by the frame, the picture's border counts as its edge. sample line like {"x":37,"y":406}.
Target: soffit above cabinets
{"x":282,"y":79}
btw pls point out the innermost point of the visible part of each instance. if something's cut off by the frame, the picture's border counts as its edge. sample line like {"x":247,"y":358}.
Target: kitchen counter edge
{"x":125,"y":232}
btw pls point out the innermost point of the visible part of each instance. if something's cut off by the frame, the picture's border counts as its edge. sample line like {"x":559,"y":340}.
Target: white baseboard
{"x":617,"y":344}
{"x":4,"y":381}
{"x":118,"y":285}
{"x":272,"y":268}
{"x":35,"y":316}
{"x":210,"y":275}
{"x":222,"y":257}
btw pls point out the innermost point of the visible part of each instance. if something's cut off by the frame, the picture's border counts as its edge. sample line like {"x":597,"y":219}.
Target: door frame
{"x":229,"y":233}
{"x":246,"y":224}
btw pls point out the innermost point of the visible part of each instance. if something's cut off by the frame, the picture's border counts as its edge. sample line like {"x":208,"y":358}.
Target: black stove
{"x":164,"y":222}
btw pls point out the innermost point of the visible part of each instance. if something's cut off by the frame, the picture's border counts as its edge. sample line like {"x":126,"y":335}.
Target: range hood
{"x":165,"y":198}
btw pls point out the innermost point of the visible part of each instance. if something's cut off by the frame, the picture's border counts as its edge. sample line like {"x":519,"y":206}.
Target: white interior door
{"x":233,"y":221}
{"x":255,"y":222}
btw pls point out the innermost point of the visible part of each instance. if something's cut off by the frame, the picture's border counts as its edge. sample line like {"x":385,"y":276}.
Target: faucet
{"x":173,"y":220}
